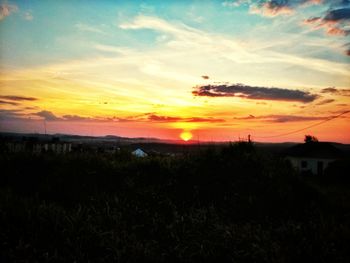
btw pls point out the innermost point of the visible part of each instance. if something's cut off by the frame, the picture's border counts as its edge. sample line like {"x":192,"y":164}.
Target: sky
{"x":200,"y":70}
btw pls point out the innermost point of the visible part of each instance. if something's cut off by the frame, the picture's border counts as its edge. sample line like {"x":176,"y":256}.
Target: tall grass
{"x":234,"y":204}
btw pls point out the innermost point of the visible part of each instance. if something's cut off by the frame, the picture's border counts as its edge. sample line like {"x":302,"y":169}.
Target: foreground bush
{"x":234,"y":204}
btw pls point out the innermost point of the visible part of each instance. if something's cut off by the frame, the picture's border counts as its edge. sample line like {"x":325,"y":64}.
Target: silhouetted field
{"x":232,"y":203}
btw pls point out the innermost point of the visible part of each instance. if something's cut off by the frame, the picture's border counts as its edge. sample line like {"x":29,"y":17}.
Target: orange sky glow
{"x":137,"y":72}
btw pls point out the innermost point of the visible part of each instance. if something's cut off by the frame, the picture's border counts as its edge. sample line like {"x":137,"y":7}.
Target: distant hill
{"x":153,"y":144}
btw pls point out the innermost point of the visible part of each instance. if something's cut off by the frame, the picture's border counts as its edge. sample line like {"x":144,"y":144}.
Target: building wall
{"x":312,"y":164}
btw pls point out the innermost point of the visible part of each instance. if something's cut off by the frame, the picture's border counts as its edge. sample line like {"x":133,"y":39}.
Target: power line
{"x":305,"y":128}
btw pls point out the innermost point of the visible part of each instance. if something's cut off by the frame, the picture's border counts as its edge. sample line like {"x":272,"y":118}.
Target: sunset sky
{"x":217,"y":70}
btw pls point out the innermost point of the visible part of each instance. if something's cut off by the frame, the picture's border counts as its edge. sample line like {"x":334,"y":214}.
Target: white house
{"x":139,"y":153}
{"x":313,"y":157}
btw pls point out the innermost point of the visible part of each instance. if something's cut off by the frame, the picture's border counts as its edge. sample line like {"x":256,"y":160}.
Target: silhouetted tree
{"x":310,"y":138}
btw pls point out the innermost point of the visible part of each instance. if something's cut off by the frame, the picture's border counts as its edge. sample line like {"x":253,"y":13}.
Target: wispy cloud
{"x":6,"y":114}
{"x":335,"y":21}
{"x":75,"y":118}
{"x":17,"y":98}
{"x":146,"y":117}
{"x":272,"y":8}
{"x":326,"y":101}
{"x":159,"y":118}
{"x":283,"y":118}
{"x":6,"y":10}
{"x":217,"y":46}
{"x":335,"y":91}
{"x":8,"y":102}
{"x":252,"y":92}
{"x":89,"y":28}
{"x":28,"y":15}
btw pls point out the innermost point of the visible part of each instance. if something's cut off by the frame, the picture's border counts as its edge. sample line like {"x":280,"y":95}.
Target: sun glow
{"x":186,"y":135}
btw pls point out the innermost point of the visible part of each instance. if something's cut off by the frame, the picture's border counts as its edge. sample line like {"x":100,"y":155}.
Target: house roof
{"x":322,"y":150}
{"x":139,"y":152}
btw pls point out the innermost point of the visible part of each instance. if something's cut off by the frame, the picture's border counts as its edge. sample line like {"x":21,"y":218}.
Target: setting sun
{"x":180,"y":68}
{"x":186,"y":136}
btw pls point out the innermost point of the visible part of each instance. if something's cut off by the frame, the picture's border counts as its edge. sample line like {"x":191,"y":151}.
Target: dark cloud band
{"x":253,"y":92}
{"x":17,"y":98}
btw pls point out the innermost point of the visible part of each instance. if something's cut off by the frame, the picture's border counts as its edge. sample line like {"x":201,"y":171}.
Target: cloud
{"x":89,"y":28}
{"x":75,"y":118}
{"x":48,"y":115}
{"x":272,"y":8}
{"x":334,"y":22}
{"x":198,"y":119}
{"x":335,"y":91}
{"x":146,"y":117}
{"x":252,"y":92}
{"x":163,"y":118}
{"x":329,"y":90}
{"x":293,"y":118}
{"x":31,"y":108}
{"x":326,"y":101}
{"x":158,"y":118}
{"x":28,"y":16}
{"x":283,"y":118}
{"x":6,"y":10}
{"x":236,"y":3}
{"x":17,"y":98}
{"x":8,"y":102}
{"x":10,"y":114}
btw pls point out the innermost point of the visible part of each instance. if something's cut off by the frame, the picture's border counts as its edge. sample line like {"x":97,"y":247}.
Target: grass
{"x":234,"y":204}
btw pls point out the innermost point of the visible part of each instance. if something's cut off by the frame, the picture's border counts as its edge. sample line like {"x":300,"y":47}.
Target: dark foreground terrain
{"x":234,"y":204}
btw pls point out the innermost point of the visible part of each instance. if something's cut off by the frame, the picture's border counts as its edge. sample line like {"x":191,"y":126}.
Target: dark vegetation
{"x":234,"y":204}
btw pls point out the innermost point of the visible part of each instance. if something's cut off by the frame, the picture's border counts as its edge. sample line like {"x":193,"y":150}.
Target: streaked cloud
{"x":89,"y":28}
{"x":326,"y":101}
{"x":6,"y":114}
{"x":283,"y":118}
{"x":50,"y":116}
{"x":17,"y":98}
{"x":335,"y":21}
{"x":75,"y":118}
{"x":159,"y":118}
{"x":253,"y":92}
{"x":335,"y":91}
{"x":9,"y":102}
